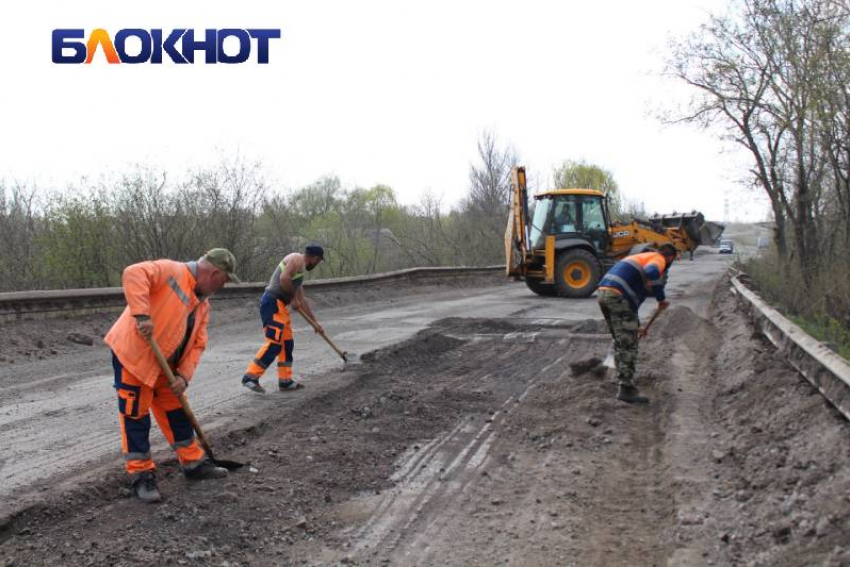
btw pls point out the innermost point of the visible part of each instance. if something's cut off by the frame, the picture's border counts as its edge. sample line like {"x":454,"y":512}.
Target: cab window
{"x":593,"y":217}
{"x":564,"y":219}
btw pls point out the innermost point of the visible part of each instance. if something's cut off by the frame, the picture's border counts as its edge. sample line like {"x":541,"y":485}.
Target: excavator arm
{"x":516,"y":234}
{"x":684,"y":231}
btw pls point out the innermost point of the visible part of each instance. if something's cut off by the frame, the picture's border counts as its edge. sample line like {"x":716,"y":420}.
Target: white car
{"x":726,"y":247}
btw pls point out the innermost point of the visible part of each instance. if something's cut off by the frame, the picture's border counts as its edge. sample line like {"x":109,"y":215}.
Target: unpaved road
{"x":469,"y":443}
{"x":58,"y":414}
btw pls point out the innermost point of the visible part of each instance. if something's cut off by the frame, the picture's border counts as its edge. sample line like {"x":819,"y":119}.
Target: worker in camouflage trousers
{"x":620,"y":294}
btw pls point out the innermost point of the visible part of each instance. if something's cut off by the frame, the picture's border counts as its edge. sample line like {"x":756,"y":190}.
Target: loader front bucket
{"x":710,"y":233}
{"x":700,"y":231}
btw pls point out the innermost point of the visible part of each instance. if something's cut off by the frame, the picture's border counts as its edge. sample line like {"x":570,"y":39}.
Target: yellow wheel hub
{"x":577,"y":274}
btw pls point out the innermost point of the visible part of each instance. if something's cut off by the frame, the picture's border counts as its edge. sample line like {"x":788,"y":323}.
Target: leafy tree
{"x":583,"y":175}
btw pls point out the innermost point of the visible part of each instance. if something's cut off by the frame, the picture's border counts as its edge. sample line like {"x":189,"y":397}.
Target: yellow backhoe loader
{"x":571,"y":241}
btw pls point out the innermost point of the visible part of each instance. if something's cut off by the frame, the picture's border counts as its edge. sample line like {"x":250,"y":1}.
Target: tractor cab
{"x":565,"y":247}
{"x":569,"y":214}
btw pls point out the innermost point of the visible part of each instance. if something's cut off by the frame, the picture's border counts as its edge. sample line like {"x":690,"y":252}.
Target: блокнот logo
{"x":157,"y":45}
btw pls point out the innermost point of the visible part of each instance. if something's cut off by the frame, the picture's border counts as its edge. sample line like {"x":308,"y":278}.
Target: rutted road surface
{"x":58,"y":414}
{"x":465,"y":440}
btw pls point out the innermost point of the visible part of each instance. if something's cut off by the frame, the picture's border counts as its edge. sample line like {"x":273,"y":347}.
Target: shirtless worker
{"x":285,"y":289}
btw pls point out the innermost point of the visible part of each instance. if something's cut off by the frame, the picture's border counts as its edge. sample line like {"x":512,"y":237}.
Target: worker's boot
{"x":630,"y":395}
{"x":286,"y":385}
{"x":253,"y":384}
{"x":205,"y":470}
{"x":144,"y":487}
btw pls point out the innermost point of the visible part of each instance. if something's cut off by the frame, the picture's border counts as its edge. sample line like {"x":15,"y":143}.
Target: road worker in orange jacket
{"x":169,"y":301}
{"x":621,"y":292}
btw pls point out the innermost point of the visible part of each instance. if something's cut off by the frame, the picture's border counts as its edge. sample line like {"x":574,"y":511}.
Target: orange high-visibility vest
{"x":165,"y":291}
{"x":634,"y":277}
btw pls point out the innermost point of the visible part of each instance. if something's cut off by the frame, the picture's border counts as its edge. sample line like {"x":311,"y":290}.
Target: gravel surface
{"x":491,"y":441}
{"x":487,"y":437}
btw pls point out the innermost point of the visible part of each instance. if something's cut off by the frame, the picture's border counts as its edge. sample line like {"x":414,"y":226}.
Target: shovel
{"x":347,"y":357}
{"x":642,"y":332}
{"x":229,"y":465}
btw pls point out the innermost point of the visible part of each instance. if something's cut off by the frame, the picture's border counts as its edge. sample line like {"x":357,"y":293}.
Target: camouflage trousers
{"x":623,"y":323}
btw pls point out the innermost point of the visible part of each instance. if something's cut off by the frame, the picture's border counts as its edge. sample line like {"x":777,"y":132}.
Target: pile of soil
{"x":332,"y":447}
{"x":780,"y":456}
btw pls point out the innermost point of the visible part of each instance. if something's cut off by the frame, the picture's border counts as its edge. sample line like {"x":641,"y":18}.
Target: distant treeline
{"x":773,"y":77}
{"x":85,"y":236}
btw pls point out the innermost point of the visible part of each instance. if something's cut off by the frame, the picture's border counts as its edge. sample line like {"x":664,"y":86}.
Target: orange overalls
{"x":163,"y":290}
{"x":277,"y":327}
{"x":279,"y":341}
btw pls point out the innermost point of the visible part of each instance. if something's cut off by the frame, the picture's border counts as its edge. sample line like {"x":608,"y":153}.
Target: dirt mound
{"x":779,"y":456}
{"x":681,"y":323}
{"x":593,"y":363}
{"x":27,"y":341}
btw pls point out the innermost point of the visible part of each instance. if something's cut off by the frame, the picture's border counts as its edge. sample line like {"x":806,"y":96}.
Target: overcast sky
{"x":372,"y":91}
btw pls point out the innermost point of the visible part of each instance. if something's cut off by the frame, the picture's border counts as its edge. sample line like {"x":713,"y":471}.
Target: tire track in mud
{"x":446,"y":466}
{"x":559,"y":472}
{"x":441,"y":482}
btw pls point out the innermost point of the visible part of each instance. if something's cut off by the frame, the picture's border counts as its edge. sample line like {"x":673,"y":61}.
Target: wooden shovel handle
{"x":645,"y":330}
{"x":172,"y":381}
{"x":324,"y":336}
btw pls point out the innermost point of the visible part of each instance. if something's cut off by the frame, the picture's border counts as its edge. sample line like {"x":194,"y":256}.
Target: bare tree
{"x":756,"y":75}
{"x":20,"y":226}
{"x":485,"y":209}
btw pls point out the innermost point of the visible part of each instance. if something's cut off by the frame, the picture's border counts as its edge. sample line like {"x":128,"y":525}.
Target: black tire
{"x":577,"y":273}
{"x":537,"y":286}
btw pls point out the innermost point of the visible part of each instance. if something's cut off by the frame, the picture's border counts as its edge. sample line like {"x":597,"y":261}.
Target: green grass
{"x":827,"y":330}
{"x":784,"y":290}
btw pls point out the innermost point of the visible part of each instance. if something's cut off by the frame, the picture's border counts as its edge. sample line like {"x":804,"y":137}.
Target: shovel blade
{"x":224,"y":463}
{"x":609,"y":359}
{"x":351,"y":358}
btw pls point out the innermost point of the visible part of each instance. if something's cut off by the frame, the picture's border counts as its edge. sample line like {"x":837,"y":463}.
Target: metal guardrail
{"x":23,"y":305}
{"x":826,"y":371}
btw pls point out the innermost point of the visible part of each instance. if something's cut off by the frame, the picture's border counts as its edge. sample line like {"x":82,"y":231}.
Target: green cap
{"x":224,"y":260}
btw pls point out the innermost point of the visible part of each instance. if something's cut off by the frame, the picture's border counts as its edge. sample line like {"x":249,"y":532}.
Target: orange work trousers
{"x":135,"y":402}
{"x":279,"y":344}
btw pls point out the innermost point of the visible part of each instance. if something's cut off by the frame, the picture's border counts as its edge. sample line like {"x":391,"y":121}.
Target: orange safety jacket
{"x":636,"y":276}
{"x":165,"y":291}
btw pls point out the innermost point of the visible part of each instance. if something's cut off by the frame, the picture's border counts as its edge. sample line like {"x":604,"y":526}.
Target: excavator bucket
{"x":710,"y":232}
{"x":699,"y":230}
